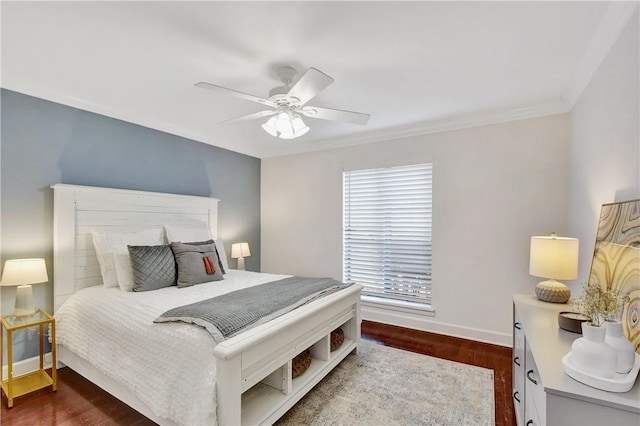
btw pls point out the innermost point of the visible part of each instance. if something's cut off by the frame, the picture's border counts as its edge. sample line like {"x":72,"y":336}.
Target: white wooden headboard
{"x":80,"y":209}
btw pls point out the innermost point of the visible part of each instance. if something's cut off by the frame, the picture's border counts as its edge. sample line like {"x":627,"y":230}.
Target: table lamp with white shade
{"x":23,"y":273}
{"x":554,"y":258}
{"x":240,"y":251}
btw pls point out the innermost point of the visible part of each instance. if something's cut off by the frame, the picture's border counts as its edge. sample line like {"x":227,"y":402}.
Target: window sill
{"x":398,"y":305}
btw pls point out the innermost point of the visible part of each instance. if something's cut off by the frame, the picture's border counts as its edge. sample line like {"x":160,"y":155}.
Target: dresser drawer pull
{"x":515,"y":396}
{"x":516,"y":362}
{"x":517,"y":325}
{"x":531,"y":379}
{"x":530,"y":422}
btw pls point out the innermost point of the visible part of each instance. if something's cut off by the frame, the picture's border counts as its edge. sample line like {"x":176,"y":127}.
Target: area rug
{"x":386,"y":386}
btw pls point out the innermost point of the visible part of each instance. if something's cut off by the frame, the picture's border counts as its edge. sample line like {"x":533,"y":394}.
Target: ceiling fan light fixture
{"x":299,"y":127}
{"x":285,"y":125}
{"x":270,"y":126}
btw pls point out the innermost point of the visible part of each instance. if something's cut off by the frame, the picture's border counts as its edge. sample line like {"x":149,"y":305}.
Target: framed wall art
{"x":616,"y":260}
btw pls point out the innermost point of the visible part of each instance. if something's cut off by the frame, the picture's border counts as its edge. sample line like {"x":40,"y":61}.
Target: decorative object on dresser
{"x":616,"y":261}
{"x":23,"y":273}
{"x":591,"y":354}
{"x":593,"y":360}
{"x":553,"y":258}
{"x":571,"y":321}
{"x":599,"y":304}
{"x":240,"y":251}
{"x":625,"y":355}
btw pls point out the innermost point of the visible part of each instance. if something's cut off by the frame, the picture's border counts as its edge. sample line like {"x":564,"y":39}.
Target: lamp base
{"x":241,"y":264}
{"x":552,"y":291}
{"x":24,"y":301}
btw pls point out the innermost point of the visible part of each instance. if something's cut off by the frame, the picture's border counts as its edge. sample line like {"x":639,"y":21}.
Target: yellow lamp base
{"x":552,"y":291}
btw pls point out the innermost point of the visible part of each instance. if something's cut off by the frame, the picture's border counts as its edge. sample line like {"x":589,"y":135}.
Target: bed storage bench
{"x":267,"y":387}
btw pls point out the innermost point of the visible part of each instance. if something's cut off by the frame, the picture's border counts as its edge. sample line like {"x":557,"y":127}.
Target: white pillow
{"x":105,"y":260}
{"x":222,"y":254}
{"x":118,"y":246}
{"x":179,"y":234}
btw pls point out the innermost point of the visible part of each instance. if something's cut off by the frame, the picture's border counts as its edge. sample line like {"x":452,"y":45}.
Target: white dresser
{"x":542,"y":392}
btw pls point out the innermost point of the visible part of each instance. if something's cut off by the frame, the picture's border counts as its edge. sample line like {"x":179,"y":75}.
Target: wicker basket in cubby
{"x":337,"y":339}
{"x":301,"y":362}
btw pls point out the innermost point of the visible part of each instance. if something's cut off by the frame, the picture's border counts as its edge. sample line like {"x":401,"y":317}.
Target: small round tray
{"x":619,"y":383}
{"x":571,"y":321}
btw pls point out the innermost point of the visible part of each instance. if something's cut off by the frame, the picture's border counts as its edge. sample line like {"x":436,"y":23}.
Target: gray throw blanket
{"x":227,"y":315}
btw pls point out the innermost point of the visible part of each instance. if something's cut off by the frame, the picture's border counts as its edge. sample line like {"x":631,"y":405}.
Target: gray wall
{"x":44,"y":143}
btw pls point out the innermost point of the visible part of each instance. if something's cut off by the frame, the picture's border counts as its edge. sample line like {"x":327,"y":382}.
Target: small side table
{"x":14,"y":387}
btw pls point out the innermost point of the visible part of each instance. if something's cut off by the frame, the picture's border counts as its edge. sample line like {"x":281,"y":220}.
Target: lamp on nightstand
{"x":240,"y":251}
{"x":23,"y":273}
{"x":553,"y":258}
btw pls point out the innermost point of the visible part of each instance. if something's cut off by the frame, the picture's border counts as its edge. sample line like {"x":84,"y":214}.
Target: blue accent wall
{"x":43,"y":143}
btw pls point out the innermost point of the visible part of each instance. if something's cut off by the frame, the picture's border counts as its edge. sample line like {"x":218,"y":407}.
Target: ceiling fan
{"x":288,"y":102}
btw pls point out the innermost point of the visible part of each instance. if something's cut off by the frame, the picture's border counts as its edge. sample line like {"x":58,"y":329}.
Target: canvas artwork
{"x":616,"y":260}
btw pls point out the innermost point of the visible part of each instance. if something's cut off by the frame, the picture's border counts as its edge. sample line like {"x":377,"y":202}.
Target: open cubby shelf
{"x":273,"y":396}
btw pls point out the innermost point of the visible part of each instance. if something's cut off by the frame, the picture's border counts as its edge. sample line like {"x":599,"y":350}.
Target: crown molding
{"x":613,"y":22}
{"x":432,"y":126}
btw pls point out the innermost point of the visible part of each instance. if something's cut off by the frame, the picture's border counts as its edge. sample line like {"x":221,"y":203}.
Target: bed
{"x":246,"y":379}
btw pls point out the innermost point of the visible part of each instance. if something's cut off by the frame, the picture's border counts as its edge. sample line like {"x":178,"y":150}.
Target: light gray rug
{"x":387,"y":386}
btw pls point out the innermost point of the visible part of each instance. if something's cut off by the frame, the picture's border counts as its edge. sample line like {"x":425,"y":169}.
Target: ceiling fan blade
{"x":254,"y":116}
{"x":335,"y":115}
{"x":235,"y":93}
{"x":309,"y":85}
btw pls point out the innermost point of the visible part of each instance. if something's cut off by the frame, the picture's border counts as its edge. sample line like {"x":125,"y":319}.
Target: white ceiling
{"x":416,"y":67}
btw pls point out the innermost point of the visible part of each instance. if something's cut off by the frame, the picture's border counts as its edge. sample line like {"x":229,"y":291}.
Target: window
{"x":387,"y":232}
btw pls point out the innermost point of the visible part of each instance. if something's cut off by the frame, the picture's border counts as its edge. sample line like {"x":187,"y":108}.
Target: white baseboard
{"x":26,"y":366}
{"x":421,"y":322}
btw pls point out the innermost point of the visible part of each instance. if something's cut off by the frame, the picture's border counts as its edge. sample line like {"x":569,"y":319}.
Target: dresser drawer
{"x":533,"y":384}
{"x":531,"y":416}
{"x":518,"y":332}
{"x":518,"y":404}
{"x":517,"y":359}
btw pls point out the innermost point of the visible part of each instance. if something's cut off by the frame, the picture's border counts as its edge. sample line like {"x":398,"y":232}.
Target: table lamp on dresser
{"x":23,"y":273}
{"x":553,"y":258}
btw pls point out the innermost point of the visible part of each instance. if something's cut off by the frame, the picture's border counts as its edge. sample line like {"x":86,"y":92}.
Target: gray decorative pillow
{"x":153,"y":267}
{"x":197,"y":264}
{"x":200,"y":243}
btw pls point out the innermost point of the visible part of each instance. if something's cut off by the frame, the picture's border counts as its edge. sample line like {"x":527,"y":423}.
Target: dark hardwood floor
{"x":79,"y":402}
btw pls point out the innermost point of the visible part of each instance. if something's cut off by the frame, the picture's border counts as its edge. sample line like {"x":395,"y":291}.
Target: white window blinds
{"x":387,"y":231}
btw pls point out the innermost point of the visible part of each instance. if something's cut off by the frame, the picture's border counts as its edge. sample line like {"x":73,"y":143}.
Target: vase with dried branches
{"x":600,"y":305}
{"x":603,"y":350}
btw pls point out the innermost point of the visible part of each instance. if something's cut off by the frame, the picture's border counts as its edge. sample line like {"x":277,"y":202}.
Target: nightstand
{"x":14,"y":387}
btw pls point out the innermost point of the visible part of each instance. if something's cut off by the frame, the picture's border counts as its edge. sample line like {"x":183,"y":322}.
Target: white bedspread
{"x":169,"y":366}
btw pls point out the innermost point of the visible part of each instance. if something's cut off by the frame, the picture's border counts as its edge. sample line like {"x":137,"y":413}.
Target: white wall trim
{"x":615,"y":19}
{"x":27,"y":366}
{"x":422,"y":322}
{"x":482,"y":118}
